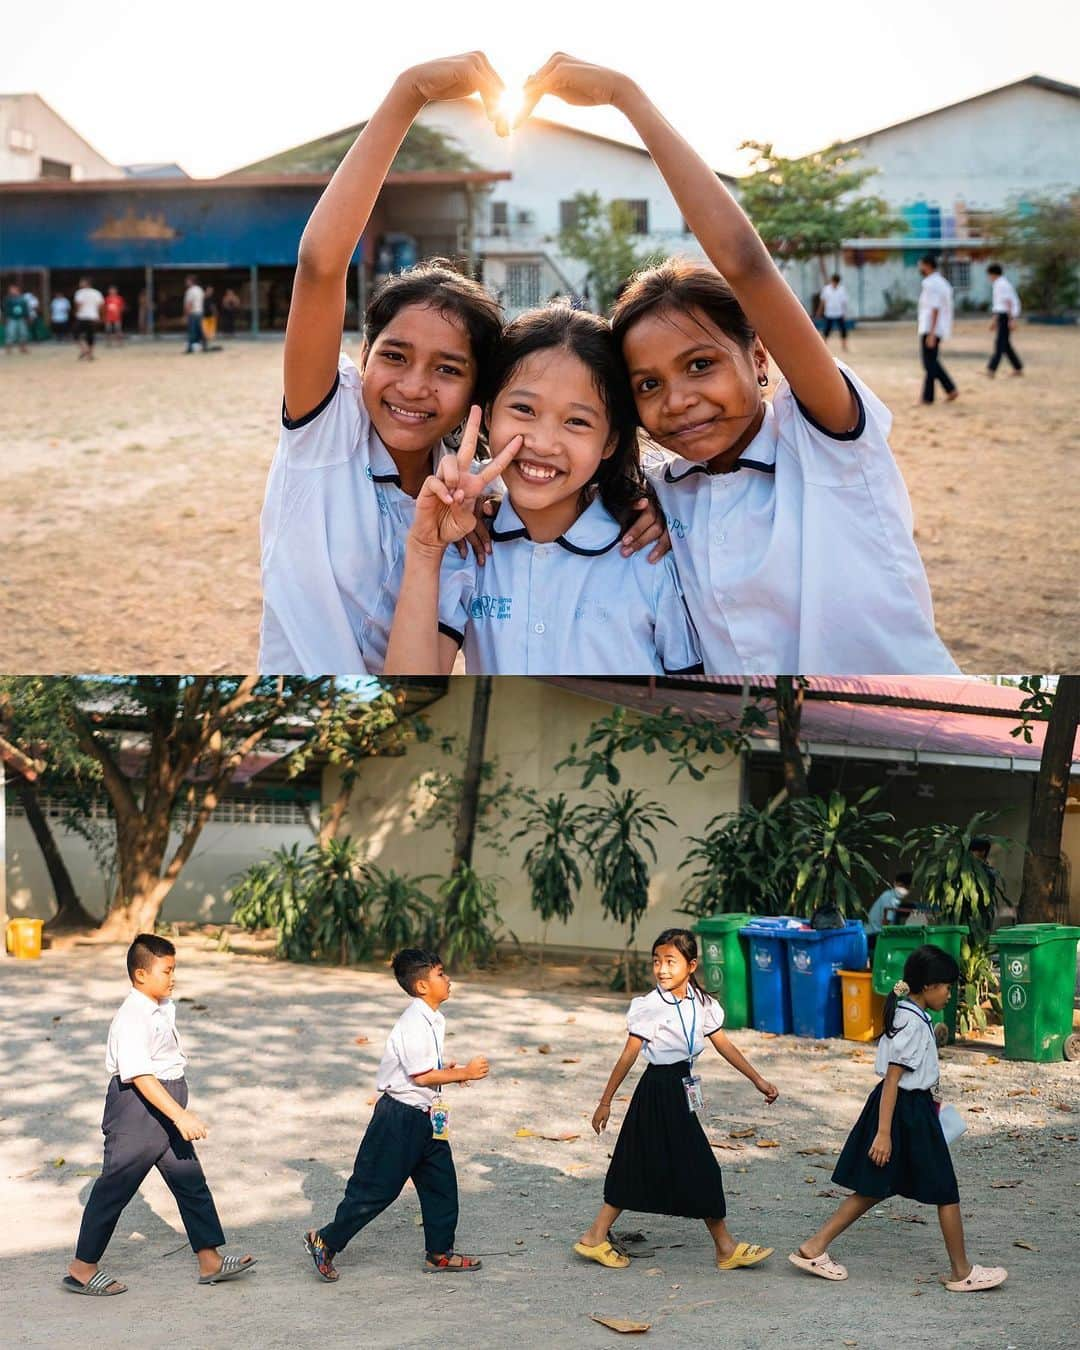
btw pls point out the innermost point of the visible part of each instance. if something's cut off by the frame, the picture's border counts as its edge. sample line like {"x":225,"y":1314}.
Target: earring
{"x":763,"y":380}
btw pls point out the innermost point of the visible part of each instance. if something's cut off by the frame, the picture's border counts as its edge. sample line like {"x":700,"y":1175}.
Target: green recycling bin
{"x":724,"y":965}
{"x":893,"y":947}
{"x":1038,"y":979}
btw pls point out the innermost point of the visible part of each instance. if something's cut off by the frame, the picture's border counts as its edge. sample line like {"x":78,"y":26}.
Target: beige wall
{"x":1070,"y":842}
{"x":52,"y":137}
{"x":530,"y":729}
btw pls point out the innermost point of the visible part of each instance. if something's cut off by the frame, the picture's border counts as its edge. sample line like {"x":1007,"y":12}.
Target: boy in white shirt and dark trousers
{"x":1005,"y":306}
{"x":408,"y":1136}
{"x":935,"y":327}
{"x":147,"y":1124}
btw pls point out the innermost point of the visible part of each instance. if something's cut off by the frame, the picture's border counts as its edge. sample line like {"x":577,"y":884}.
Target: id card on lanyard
{"x":438,"y":1110}
{"x":695,"y":1099}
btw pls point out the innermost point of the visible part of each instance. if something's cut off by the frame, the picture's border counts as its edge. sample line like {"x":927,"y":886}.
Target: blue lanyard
{"x":693,"y":1022}
{"x":916,"y":1009}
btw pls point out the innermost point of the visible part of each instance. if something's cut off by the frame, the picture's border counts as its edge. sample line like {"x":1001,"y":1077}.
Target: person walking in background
{"x":833,"y":308}
{"x":88,"y":306}
{"x":935,"y":327}
{"x":60,"y":315}
{"x":889,"y":903}
{"x":16,"y":321}
{"x":210,"y":314}
{"x":230,"y":303}
{"x":1005,"y":310}
{"x":113,"y":310}
{"x":194,"y":298}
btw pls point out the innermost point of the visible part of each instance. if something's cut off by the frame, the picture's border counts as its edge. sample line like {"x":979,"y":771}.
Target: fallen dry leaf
{"x":907,"y":1218}
{"x":621,"y":1324}
{"x":768,"y":1143}
{"x":1027,"y":1246}
{"x":991,"y":1059}
{"x":1017,"y":1092}
{"x":1003,"y":1185}
{"x":58,"y":1162}
{"x":812,"y":1152}
{"x":361,"y":1040}
{"x":544,"y":1049}
{"x":1062,"y":1106}
{"x":523,"y":1133}
{"x":741,"y":1134}
{"x":571,"y":1019}
{"x":732,"y":1148}
{"x":571,"y":1061}
{"x":976,"y":1108}
{"x":560,"y":1138}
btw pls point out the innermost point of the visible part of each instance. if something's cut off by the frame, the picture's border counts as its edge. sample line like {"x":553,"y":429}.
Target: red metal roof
{"x":958,"y":727}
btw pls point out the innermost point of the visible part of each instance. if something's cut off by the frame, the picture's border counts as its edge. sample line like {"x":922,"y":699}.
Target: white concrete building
{"x":36,"y":142}
{"x":518,"y":223}
{"x":943,"y":171}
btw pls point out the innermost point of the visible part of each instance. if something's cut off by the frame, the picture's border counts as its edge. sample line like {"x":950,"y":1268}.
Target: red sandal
{"x":451,"y":1263}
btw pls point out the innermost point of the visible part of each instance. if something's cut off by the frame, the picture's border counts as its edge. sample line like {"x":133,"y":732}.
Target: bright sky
{"x":214,"y":84}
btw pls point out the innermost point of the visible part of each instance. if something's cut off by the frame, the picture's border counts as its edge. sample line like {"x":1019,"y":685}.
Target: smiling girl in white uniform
{"x":897,"y":1146}
{"x":790,"y":520}
{"x":556,"y":596}
{"x":662,"y":1162}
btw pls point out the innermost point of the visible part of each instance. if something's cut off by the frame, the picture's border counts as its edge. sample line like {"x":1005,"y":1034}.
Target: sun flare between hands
{"x":511,"y":104}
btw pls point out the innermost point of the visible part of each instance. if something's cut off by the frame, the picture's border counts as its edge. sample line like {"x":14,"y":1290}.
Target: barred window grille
{"x":523,"y":285}
{"x":958,"y":275}
{"x":230,"y":811}
{"x":638,"y":209}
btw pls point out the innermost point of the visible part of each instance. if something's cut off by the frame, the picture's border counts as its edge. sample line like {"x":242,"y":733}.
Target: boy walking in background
{"x":408,"y":1136}
{"x":147,"y":1124}
{"x":1005,"y":308}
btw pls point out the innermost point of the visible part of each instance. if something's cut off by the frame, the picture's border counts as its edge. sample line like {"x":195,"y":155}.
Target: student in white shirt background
{"x":897,"y":1146}
{"x":1005,"y":308}
{"x":935,"y":323}
{"x":789,"y":520}
{"x":662,"y":1162}
{"x":833,"y":308}
{"x":88,"y":301}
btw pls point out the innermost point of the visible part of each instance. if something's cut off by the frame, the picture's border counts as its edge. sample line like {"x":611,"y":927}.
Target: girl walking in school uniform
{"x":557,"y":596}
{"x":897,"y":1146}
{"x":662,"y":1162}
{"x":789,"y":518}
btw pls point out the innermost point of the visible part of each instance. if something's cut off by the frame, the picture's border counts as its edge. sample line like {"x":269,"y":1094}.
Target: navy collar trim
{"x":757,"y":464}
{"x":505,"y":536}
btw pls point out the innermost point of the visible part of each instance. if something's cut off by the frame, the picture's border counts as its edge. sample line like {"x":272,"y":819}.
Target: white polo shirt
{"x":936,"y":293}
{"x":1004,"y":299}
{"x":655,"y":1018}
{"x":414,"y":1046}
{"x":143,"y":1040}
{"x":334,"y":523}
{"x":803,"y":559}
{"x":575,"y":606}
{"x":88,"y":303}
{"x":834,"y":300}
{"x":913,"y":1046}
{"x":194,"y":298}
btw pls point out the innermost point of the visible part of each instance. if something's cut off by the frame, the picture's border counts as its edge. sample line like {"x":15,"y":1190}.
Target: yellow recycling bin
{"x":864,"y":1011}
{"x":23,"y":938}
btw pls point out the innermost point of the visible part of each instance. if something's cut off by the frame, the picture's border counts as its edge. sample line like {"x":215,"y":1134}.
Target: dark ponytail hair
{"x":685,"y":943}
{"x":925,"y":966}
{"x":679,"y":285}
{"x":618,"y":480}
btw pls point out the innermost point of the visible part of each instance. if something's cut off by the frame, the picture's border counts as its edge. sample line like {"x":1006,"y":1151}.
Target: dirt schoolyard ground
{"x":282,"y":1064}
{"x":130,"y":491}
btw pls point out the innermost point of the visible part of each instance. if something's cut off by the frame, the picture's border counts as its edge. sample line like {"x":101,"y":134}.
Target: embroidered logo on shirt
{"x":678,"y":528}
{"x":489,"y":607}
{"x":592,"y":610}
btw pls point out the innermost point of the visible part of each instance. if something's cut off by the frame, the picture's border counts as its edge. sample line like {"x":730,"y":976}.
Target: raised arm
{"x":317,"y":308}
{"x":729,"y":239}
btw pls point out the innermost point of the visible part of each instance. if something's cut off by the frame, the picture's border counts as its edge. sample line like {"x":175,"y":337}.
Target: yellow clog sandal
{"x":745,"y":1254}
{"x":604,"y":1253}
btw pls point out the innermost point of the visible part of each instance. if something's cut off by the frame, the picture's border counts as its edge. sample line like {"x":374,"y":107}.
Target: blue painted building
{"x":144,"y":235}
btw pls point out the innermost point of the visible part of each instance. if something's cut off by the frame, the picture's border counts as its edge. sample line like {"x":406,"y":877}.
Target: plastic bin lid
{"x":1031,"y":934}
{"x":712,"y":923}
{"x":820,"y":934}
{"x":947,"y":928}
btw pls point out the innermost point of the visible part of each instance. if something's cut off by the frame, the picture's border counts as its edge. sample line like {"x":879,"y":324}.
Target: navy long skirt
{"x":662,"y":1163}
{"x":920,"y":1167}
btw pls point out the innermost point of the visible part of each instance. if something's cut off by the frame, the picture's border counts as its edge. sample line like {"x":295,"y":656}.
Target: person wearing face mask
{"x":890,"y":900}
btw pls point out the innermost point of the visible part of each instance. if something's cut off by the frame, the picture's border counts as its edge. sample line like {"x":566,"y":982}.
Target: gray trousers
{"x":138,"y":1137}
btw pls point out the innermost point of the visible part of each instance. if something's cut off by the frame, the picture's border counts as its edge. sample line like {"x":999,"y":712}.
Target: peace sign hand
{"x":446,"y":508}
{"x":573,"y":81}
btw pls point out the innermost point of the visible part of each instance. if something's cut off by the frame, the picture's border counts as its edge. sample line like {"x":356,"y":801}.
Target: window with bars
{"x":569,"y":213}
{"x":957,"y":274}
{"x":500,"y":218}
{"x":638,"y":210}
{"x":230,"y":811}
{"x":55,"y":168}
{"x":522,"y":285}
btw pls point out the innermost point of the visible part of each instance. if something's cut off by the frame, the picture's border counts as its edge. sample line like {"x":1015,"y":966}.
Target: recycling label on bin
{"x":1017,"y":997}
{"x":714,"y":951}
{"x":763,"y":958}
{"x":1019,"y":967}
{"x":801,"y":959}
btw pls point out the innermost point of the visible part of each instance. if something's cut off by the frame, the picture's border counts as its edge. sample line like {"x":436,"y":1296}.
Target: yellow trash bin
{"x":864,"y":1011}
{"x":23,"y":938}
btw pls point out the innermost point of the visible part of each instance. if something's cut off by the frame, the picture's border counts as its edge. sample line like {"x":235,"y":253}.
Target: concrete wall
{"x":531,"y":728}
{"x":51,"y":137}
{"x":1070,"y":843}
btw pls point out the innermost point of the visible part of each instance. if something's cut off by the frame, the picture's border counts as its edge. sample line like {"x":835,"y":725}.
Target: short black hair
{"x":903,"y":878}
{"x":994,"y":269}
{"x":145,"y":950}
{"x":412,"y":964}
{"x":930,"y":259}
{"x":835,"y":276}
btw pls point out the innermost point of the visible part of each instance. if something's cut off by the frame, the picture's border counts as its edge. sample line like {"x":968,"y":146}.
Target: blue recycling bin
{"x":770,"y":983}
{"x":815,"y":958}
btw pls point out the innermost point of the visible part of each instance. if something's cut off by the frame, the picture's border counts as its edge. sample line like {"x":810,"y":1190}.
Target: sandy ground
{"x":130,"y":492}
{"x":277,"y":1073}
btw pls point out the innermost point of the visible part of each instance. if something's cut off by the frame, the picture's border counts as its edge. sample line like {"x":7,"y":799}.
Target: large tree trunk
{"x":789,"y":704}
{"x":142,"y":839}
{"x":465,"y":832}
{"x":1042,"y":861}
{"x":69,"y":909}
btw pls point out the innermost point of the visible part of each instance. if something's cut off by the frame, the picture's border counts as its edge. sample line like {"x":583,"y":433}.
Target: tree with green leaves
{"x":954,"y":883}
{"x":1042,"y":235}
{"x":601,"y":235}
{"x":839,"y":842}
{"x":805,"y":208}
{"x":551,"y":860}
{"x":743,"y":863}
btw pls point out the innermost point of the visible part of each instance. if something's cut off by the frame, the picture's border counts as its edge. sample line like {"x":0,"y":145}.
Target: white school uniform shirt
{"x":143,"y":1040}
{"x":60,"y":309}
{"x":575,"y":606}
{"x":1004,"y":299}
{"x":655,"y":1019}
{"x":334,"y":524}
{"x":913,"y":1046}
{"x":194,"y":298}
{"x":834,"y":300}
{"x":803,"y":560}
{"x":414,"y":1046}
{"x":88,"y":303}
{"x":936,"y":293}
